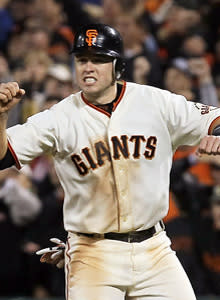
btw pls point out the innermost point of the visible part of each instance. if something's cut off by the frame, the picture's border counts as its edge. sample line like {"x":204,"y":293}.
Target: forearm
{"x":10,"y":95}
{"x":3,"y":135}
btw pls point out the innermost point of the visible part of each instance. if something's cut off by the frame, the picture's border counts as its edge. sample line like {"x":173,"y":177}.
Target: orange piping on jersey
{"x":120,"y":96}
{"x":18,"y":166}
{"x":214,"y":123}
{"x":102,"y":110}
{"x":95,"y":107}
{"x":67,"y":269}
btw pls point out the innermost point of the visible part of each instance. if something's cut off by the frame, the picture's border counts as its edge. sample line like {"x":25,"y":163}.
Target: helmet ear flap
{"x":119,"y":66}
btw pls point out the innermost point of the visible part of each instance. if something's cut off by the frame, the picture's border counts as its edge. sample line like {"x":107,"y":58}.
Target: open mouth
{"x":89,"y":80}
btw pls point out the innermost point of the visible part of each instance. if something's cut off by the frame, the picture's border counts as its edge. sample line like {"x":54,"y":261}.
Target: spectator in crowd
{"x":191,"y":78}
{"x":216,"y":65}
{"x":19,"y":207}
{"x":183,"y":242}
{"x":36,"y":66}
{"x":134,"y":31}
{"x":17,"y":48}
{"x":6,"y":24}
{"x":217,"y":86}
{"x":38,"y":38}
{"x":193,"y":45}
{"x":59,"y":81}
{"x":23,"y":204}
{"x":5,"y":73}
{"x":111,"y":11}
{"x":191,"y":191}
{"x":179,"y":22}
{"x":209,"y":242}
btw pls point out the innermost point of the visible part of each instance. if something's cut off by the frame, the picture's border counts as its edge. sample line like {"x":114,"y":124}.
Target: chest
{"x":130,"y":134}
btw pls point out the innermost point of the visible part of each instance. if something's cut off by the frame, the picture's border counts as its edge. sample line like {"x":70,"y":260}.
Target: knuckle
{"x":15,"y":84}
{"x":7,"y":92}
{"x":3,"y":97}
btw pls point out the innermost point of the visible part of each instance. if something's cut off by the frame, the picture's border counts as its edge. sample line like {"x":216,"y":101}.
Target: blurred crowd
{"x":170,"y":44}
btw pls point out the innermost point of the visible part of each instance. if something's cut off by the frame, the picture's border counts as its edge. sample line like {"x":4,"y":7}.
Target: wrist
{"x":3,"y":116}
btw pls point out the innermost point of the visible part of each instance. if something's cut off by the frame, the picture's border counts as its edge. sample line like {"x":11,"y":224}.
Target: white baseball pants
{"x":103,"y":269}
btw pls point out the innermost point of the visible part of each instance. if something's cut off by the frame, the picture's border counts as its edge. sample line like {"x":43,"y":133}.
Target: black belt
{"x":129,"y":237}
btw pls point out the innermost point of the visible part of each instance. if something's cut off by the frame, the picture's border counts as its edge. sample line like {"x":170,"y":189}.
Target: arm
{"x":210,"y":144}
{"x":10,"y":95}
{"x":3,"y":136}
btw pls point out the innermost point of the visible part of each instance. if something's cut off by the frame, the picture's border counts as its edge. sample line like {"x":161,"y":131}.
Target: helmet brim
{"x":95,"y":50}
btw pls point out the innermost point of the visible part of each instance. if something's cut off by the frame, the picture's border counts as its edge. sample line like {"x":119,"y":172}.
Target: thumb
{"x":20,"y":93}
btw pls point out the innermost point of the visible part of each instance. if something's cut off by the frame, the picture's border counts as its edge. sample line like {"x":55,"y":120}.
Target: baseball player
{"x":112,"y":145}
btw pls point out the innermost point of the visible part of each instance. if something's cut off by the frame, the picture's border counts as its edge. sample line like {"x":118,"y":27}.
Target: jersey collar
{"x":115,"y":104}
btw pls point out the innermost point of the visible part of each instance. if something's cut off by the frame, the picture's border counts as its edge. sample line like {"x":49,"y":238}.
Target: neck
{"x":103,"y":97}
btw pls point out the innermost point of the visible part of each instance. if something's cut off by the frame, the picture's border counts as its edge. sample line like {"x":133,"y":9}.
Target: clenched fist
{"x":209,"y":145}
{"x":10,"y":95}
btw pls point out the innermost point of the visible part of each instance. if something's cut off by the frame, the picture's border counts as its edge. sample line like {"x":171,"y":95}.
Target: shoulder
{"x":141,"y":88}
{"x":68,"y":104}
{"x":150,"y":93}
{"x":62,"y":110}
{"x":67,"y":107}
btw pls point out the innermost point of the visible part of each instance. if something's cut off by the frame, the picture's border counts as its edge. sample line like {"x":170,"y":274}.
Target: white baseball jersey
{"x":114,"y":169}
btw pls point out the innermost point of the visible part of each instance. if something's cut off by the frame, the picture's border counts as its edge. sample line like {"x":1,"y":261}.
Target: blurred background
{"x":170,"y":44}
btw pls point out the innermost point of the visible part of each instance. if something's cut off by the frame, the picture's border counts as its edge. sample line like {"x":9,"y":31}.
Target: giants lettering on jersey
{"x":120,"y":148}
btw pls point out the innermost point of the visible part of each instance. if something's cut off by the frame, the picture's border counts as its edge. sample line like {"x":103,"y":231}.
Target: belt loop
{"x":159,"y":226}
{"x":162,"y":224}
{"x":129,"y":238}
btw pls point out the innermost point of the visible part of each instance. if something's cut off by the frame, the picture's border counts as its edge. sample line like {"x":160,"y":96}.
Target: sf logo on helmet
{"x":91,"y":36}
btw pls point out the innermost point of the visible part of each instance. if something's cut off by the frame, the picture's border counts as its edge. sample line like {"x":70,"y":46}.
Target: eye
{"x":101,"y":60}
{"x":94,"y":60}
{"x":82,"y":60}
{"x":98,"y":60}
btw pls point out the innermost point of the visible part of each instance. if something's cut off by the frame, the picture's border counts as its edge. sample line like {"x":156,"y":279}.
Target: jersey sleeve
{"x":33,"y":138}
{"x":189,"y":122}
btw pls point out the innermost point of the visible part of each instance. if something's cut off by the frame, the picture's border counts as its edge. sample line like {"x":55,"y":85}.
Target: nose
{"x":89,"y":66}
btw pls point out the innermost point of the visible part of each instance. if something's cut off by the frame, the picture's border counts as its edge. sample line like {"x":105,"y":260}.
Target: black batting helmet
{"x":100,"y":39}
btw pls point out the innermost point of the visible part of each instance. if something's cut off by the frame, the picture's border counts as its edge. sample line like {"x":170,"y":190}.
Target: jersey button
{"x":124,"y":219}
{"x":123,"y":193}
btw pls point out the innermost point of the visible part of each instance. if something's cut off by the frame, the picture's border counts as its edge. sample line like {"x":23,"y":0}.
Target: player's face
{"x":94,"y":77}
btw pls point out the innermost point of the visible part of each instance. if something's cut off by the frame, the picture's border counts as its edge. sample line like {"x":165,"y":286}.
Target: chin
{"x":90,"y":93}
{"x":90,"y":89}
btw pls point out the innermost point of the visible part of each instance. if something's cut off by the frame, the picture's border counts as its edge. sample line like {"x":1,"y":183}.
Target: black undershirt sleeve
{"x":216,"y":131}
{"x":7,"y":161}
